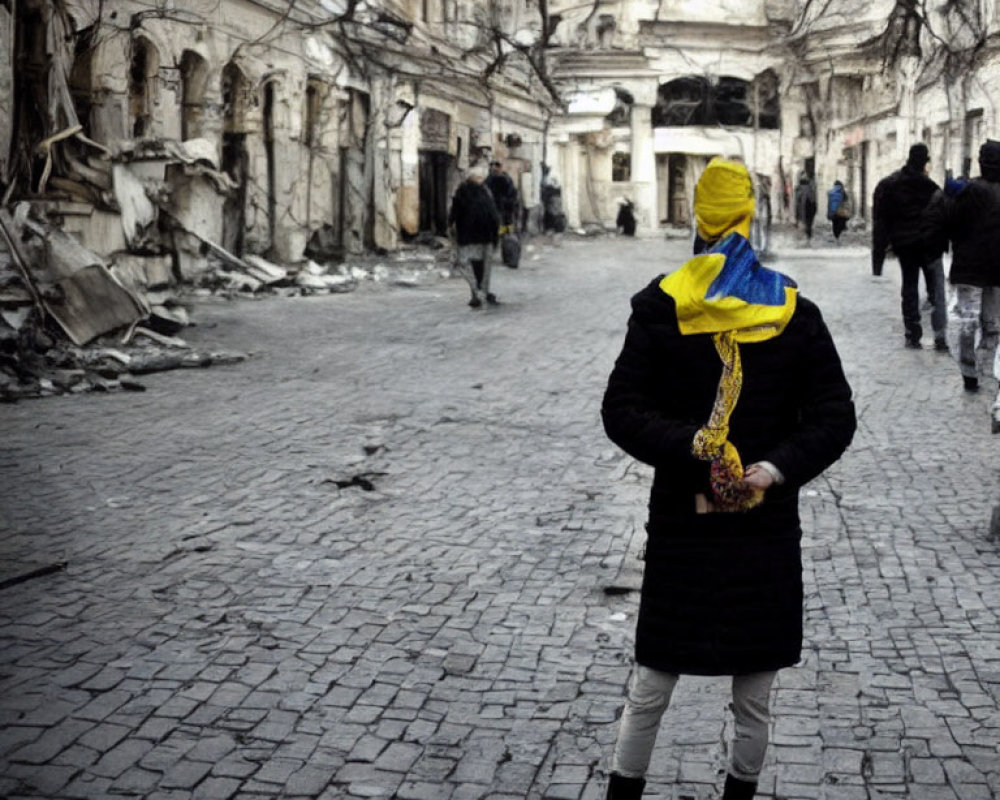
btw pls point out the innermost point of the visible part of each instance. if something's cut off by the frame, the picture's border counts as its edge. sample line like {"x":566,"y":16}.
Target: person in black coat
{"x":970,"y":219}
{"x":504,"y":192}
{"x":805,"y":204}
{"x":898,"y":209}
{"x":722,"y":589}
{"x":625,"y":222}
{"x":475,"y":223}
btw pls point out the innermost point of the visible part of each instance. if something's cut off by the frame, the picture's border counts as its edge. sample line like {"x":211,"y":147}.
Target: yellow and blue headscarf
{"x":728,"y":294}
{"x":727,"y":290}
{"x":723,"y":200}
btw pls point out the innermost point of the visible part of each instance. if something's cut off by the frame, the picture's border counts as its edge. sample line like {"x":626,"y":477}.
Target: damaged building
{"x":837,"y":90}
{"x":158,"y":140}
{"x":655,"y":89}
{"x":873,"y":78}
{"x":262,"y":126}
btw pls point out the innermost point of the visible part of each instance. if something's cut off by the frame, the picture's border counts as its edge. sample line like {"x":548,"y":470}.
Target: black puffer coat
{"x":971,"y":220}
{"x":722,"y":592}
{"x":474,"y":215}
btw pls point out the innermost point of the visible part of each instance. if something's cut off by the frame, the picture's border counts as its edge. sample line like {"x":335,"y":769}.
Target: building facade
{"x":332,"y":127}
{"x":870,"y":79}
{"x":263,"y":127}
{"x":654,"y":90}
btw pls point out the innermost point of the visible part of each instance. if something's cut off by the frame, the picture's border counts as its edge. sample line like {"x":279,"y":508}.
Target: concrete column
{"x":571,"y":183}
{"x":643,"y":167}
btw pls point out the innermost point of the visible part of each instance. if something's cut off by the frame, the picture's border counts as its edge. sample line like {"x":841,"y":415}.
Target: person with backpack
{"x":838,"y":209}
{"x":898,"y":209}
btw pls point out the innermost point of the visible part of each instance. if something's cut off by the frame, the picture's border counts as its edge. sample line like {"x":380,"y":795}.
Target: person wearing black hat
{"x":970,"y":219}
{"x":899,"y":220}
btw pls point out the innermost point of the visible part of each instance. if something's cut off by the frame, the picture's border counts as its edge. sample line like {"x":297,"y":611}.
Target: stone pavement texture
{"x":371,"y":561}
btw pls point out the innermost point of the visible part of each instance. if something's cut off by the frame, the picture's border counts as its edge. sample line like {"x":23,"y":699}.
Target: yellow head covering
{"x":723,"y":200}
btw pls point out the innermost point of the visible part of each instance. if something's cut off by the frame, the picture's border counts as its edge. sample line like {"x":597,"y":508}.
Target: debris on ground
{"x":73,"y":321}
{"x":63,"y":308}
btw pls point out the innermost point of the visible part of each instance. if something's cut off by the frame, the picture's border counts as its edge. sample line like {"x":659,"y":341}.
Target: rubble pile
{"x":251,"y":275}
{"x":70,"y":321}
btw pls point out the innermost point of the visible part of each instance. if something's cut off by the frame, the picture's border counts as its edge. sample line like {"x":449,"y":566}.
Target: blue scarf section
{"x":744,"y":277}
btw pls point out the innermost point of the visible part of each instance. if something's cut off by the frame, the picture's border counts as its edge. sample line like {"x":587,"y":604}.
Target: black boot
{"x":622,"y":788}
{"x":737,"y":789}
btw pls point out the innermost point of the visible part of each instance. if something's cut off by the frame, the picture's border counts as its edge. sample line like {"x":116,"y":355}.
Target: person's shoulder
{"x":806,"y":307}
{"x":807,"y":317}
{"x":652,"y":304}
{"x":887,"y":184}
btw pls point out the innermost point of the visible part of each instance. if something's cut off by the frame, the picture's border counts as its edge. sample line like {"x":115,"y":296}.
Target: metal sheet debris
{"x":90,"y":302}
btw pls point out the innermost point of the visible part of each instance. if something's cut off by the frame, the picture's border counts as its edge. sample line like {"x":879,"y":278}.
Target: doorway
{"x":434,"y":172}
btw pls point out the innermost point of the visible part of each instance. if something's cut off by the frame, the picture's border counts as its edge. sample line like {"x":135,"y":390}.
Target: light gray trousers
{"x":975,"y":316}
{"x":649,"y":693}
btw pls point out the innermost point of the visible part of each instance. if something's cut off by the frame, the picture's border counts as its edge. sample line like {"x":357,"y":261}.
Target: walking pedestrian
{"x":838,"y":209}
{"x":476,"y":230}
{"x":805,"y":204}
{"x":721,"y":354}
{"x":504,"y":193}
{"x":970,"y":219}
{"x":898,"y":208}
{"x":505,"y":197}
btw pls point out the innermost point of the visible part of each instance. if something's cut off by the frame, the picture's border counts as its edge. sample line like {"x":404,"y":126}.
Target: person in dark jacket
{"x":898,"y":208}
{"x":970,"y":219}
{"x":504,"y":192}
{"x":838,"y":209}
{"x":625,"y":221}
{"x":476,"y":225}
{"x":805,"y":204}
{"x":723,"y":363}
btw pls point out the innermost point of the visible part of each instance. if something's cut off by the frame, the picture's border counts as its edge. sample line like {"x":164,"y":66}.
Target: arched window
{"x":316,"y":91}
{"x":194,"y":80}
{"x":684,"y":101}
{"x":235,"y":99}
{"x":143,"y":74}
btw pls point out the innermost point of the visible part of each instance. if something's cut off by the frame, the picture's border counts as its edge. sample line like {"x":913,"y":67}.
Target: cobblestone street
{"x":371,"y":560}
